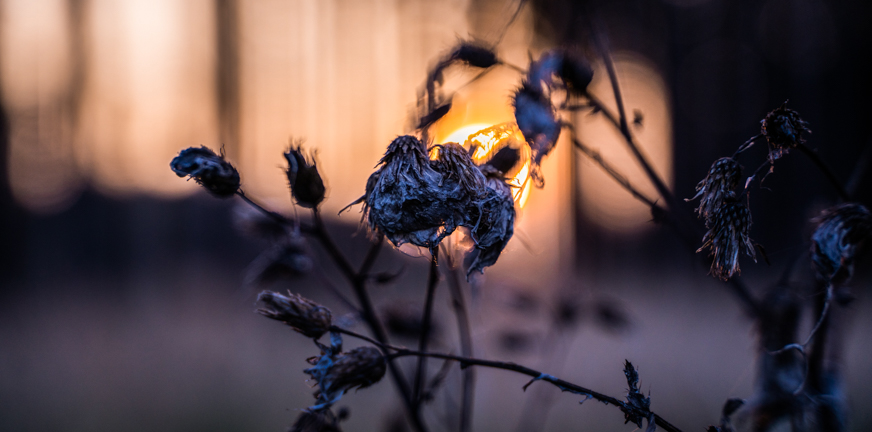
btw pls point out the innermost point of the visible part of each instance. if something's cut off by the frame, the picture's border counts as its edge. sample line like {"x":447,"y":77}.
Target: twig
{"x":275,"y":216}
{"x":421,"y":370}
{"x":828,"y":173}
{"x":613,"y":173}
{"x":459,"y":305}
{"x":746,"y":145}
{"x":538,"y":376}
{"x":511,"y":21}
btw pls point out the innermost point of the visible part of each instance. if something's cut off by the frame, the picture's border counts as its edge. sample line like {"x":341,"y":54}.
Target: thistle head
{"x":303,"y":315}
{"x":208,"y":169}
{"x":338,"y":373}
{"x":491,"y":222}
{"x":727,"y":235}
{"x":840,"y":233}
{"x":454,"y":163}
{"x":783,"y":129}
{"x":718,"y":184}
{"x":306,"y":184}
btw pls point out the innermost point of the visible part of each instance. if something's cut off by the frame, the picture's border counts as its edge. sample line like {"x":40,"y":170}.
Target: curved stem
{"x":827,"y":172}
{"x":746,"y":145}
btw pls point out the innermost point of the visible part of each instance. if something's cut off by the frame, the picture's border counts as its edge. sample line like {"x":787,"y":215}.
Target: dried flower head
{"x":783,"y":129}
{"x":841,"y":231}
{"x":304,"y":315}
{"x":405,"y":199}
{"x":338,"y":373}
{"x":208,"y":169}
{"x":721,"y":180}
{"x":460,"y":176}
{"x":307,"y":187}
{"x":491,"y":223}
{"x":538,"y":122}
{"x":728,"y":235}
{"x":474,"y":54}
{"x":316,"y":421}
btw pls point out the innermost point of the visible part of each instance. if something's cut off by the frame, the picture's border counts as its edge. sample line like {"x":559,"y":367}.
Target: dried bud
{"x":316,"y":421}
{"x":635,"y":399}
{"x":727,"y":235}
{"x":474,"y":55}
{"x":721,"y":180}
{"x":336,"y":374}
{"x":404,"y":198}
{"x":576,"y":73}
{"x":306,"y":184}
{"x":491,"y":223}
{"x":783,"y":129}
{"x":208,"y":169}
{"x":305,"y":316}
{"x":841,"y":231}
{"x":538,"y":122}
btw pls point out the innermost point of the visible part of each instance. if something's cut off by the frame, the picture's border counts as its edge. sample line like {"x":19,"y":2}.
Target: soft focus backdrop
{"x":122,"y":297}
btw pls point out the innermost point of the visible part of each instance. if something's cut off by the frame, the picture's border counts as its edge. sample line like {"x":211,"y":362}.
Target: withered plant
{"x":422,"y":192}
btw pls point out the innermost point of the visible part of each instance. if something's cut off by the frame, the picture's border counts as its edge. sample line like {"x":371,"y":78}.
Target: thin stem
{"x":275,"y":216}
{"x":746,"y":145}
{"x":459,"y":305}
{"x":536,"y":375}
{"x":511,"y":21}
{"x":421,"y":370}
{"x":613,"y":173}
{"x":828,"y":173}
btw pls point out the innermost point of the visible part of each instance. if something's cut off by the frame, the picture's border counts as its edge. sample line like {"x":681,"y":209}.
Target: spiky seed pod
{"x":208,"y":169}
{"x":336,"y":374}
{"x":841,"y":232}
{"x":474,"y":54}
{"x":727,"y":235}
{"x":404,"y":199}
{"x":783,"y":129}
{"x":303,"y":315}
{"x":306,"y":184}
{"x":538,"y":122}
{"x":721,"y":180}
{"x":492,"y":223}
{"x":316,"y":421}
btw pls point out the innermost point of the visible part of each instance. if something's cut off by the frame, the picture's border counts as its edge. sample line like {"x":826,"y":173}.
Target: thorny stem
{"x":421,"y":370}
{"x":459,"y":305}
{"x":828,"y":173}
{"x":538,"y":376}
{"x":358,"y":284}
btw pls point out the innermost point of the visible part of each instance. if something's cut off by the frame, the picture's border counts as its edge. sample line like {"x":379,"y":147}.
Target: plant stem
{"x":536,"y":375}
{"x":458,"y":303}
{"x":827,"y":172}
{"x":421,"y":370}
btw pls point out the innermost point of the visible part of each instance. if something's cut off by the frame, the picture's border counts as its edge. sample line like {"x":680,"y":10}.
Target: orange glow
{"x":488,"y":140}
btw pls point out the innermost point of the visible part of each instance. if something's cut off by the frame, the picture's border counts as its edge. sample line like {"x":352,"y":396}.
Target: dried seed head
{"x":538,"y":122}
{"x":316,"y":421}
{"x":336,"y":374}
{"x":636,"y":401}
{"x":728,"y":235}
{"x":305,"y":316}
{"x":460,"y":176}
{"x":405,"y":199}
{"x":491,"y":223}
{"x":208,"y":169}
{"x":474,"y":54}
{"x":721,"y":180}
{"x":841,"y":231}
{"x":306,"y":184}
{"x":783,"y":129}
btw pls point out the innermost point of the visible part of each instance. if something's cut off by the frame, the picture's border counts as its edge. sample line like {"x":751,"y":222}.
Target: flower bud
{"x":305,"y":316}
{"x":538,"y":122}
{"x":840,"y":232}
{"x":727,"y":236}
{"x":307,"y":187}
{"x":721,"y":180}
{"x":783,"y":129}
{"x":475,"y":55}
{"x":338,"y":373}
{"x":208,"y":169}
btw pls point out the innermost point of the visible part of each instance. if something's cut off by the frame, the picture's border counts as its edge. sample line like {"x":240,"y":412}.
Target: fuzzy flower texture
{"x":413,"y":199}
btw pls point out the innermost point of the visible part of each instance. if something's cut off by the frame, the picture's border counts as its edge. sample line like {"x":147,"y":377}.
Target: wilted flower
{"x":404,"y":199}
{"x":840,"y":232}
{"x":783,"y":129}
{"x":492,"y":223}
{"x":208,"y":169}
{"x":474,"y":54}
{"x":304,"y":315}
{"x":721,"y":180}
{"x":728,"y":235}
{"x":538,"y":122}
{"x":462,"y":181}
{"x":307,"y":187}
{"x":316,"y":421}
{"x":338,"y":373}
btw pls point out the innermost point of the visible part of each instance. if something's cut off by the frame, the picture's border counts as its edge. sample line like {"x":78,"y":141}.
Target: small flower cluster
{"x":841,"y":231}
{"x":208,"y":169}
{"x":413,"y":199}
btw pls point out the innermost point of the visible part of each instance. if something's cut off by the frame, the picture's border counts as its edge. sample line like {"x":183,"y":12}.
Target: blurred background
{"x":125,"y":301}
